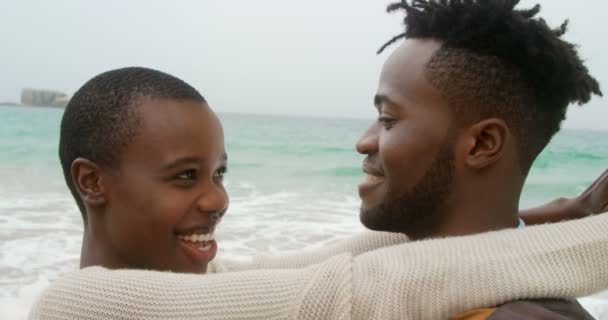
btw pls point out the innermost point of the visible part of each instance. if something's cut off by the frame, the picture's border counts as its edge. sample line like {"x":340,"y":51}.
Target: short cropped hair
{"x":496,"y":61}
{"x":102,"y":117}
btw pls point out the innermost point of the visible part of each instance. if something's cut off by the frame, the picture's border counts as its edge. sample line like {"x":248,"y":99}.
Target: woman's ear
{"x":87,"y":178}
{"x":487,"y":141}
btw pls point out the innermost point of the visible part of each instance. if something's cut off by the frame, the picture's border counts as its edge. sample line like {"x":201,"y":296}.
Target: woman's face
{"x":166,"y":196}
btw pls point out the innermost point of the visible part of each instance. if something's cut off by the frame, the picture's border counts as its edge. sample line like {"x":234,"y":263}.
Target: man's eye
{"x":387,"y":122}
{"x":187,"y":175}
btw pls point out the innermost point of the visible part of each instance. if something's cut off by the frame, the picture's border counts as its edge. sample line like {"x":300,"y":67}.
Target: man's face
{"x":167,"y":195}
{"x":409,"y":163}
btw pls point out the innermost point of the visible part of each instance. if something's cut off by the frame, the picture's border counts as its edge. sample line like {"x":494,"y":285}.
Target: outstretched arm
{"x":594,"y":200}
{"x":355,"y":245}
{"x":431,"y":279}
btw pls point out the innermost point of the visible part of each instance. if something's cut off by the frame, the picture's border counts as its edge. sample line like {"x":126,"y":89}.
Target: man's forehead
{"x":403,"y":78}
{"x":411,"y":56}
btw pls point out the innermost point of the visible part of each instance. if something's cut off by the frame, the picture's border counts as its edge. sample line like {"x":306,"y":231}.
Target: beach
{"x":292,"y":182}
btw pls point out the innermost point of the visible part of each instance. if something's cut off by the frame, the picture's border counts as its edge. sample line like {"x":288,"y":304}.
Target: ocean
{"x":292,"y":183}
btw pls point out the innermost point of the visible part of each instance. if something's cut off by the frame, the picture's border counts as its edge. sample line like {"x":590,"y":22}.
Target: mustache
{"x":372,"y":166}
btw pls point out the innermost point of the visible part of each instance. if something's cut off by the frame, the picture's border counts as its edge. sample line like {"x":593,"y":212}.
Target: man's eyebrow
{"x":382,"y":99}
{"x":224,"y":157}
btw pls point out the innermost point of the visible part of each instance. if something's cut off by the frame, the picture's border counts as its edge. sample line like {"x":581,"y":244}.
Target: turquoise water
{"x":278,"y":153}
{"x":292,"y":183}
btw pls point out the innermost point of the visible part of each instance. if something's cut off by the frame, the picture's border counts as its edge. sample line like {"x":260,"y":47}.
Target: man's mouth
{"x":373,"y":179}
{"x":370,"y":182}
{"x":373,"y":173}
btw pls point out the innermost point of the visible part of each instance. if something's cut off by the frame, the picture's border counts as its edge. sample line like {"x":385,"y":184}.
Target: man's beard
{"x":416,"y":213}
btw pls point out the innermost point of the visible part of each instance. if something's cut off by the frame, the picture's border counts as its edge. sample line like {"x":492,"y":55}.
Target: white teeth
{"x":373,"y":179}
{"x":205,"y":247}
{"x":198,"y":237}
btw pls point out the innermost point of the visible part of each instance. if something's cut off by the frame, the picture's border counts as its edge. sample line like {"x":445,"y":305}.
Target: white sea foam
{"x":37,"y":248}
{"x":43,"y":233}
{"x":17,"y":306}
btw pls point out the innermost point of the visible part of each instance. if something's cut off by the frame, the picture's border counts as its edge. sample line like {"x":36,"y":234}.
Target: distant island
{"x":40,"y":98}
{"x":10,"y":104}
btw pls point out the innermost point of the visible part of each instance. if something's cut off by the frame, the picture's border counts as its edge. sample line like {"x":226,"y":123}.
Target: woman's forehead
{"x":171,"y":127}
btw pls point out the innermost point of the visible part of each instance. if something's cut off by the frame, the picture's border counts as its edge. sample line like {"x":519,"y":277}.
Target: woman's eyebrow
{"x":182,"y":161}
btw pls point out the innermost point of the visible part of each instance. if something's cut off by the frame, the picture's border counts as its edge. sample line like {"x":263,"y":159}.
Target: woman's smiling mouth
{"x":201,"y":241}
{"x":200,"y":246}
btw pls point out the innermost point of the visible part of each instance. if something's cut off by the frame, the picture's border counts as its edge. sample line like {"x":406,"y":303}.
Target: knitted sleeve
{"x":420,"y":280}
{"x":436,"y":279}
{"x":319,"y":292}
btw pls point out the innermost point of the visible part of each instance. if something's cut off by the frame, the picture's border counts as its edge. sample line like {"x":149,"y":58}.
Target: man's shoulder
{"x":544,"y":309}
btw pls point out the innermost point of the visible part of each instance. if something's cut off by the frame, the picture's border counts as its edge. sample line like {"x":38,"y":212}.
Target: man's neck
{"x":476,"y":223}
{"x":472,"y":212}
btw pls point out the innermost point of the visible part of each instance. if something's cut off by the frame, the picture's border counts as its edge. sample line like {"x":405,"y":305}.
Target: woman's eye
{"x":219,"y":174}
{"x":187,"y":175}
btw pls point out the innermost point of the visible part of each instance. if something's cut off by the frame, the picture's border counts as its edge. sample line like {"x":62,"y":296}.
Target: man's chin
{"x":374,"y":218}
{"x":396,"y":219}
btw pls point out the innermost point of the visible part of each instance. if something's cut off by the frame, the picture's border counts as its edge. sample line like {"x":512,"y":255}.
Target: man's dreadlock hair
{"x":102,"y":116}
{"x":496,"y":61}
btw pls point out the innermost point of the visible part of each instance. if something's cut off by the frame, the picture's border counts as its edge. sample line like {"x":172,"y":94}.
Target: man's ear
{"x":485,"y":143}
{"x":87,"y":178}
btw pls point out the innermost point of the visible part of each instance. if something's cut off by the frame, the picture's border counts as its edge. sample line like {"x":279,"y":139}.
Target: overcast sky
{"x":314,"y":57}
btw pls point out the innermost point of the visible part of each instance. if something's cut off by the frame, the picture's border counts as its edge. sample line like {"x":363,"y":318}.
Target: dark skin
{"x":168,"y":181}
{"x":592,"y":201}
{"x":477,"y":185}
{"x":167,"y":184}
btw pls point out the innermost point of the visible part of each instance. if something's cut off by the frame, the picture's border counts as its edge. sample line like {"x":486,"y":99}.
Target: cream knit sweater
{"x":431,"y":279}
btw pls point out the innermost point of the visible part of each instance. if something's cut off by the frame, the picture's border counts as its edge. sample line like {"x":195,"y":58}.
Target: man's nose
{"x":368,"y":143}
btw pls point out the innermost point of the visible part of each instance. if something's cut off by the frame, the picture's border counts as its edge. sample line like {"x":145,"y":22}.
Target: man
{"x":406,"y":281}
{"x":465,"y":106}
